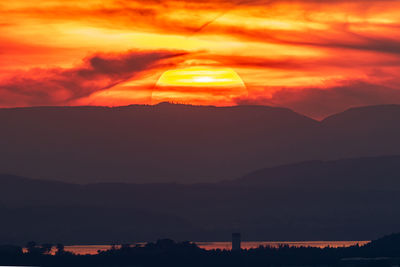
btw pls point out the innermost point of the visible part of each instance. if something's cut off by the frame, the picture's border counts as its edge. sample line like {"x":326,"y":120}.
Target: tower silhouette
{"x":236,"y":240}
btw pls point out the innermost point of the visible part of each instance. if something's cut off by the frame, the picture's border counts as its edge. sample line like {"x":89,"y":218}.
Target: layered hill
{"x":182,"y":143}
{"x":352,"y":199}
{"x":360,"y":174}
{"x":161,"y":143}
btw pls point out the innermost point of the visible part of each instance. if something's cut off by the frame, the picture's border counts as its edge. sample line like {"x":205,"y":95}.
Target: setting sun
{"x":200,"y":76}
{"x":199,"y":85}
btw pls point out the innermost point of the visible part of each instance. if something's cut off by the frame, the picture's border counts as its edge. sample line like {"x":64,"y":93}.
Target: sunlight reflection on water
{"x":92,"y":249}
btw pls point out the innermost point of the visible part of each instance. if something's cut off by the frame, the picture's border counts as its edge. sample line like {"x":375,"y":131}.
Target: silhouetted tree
{"x":46,"y":248}
{"x":60,"y":249}
{"x":166,"y":252}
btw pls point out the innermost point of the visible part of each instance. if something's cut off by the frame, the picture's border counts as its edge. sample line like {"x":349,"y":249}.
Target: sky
{"x":315,"y":57}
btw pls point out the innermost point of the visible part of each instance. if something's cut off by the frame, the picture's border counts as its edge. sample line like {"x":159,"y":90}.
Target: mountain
{"x":350,"y":199}
{"x":182,"y":143}
{"x":364,"y":131}
{"x":87,"y":225}
{"x":161,"y":143}
{"x":48,"y":211}
{"x":360,"y":174}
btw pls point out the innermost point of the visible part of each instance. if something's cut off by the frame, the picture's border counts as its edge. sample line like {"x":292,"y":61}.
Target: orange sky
{"x":314,"y":57}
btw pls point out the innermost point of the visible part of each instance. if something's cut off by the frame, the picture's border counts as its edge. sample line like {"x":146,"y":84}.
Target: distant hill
{"x":160,"y":143}
{"x":367,"y":117}
{"x":364,"y":131}
{"x":350,"y":199}
{"x":47,"y":211}
{"x":183,"y":143}
{"x":375,"y":173}
{"x":87,"y":225}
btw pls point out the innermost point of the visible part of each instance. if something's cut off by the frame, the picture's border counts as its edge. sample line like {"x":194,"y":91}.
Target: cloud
{"x":271,"y":43}
{"x":338,"y":36}
{"x":176,"y":17}
{"x":321,"y":102}
{"x":57,"y":86}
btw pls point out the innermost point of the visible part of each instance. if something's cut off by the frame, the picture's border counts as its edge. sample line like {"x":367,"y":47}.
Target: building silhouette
{"x":236,"y":241}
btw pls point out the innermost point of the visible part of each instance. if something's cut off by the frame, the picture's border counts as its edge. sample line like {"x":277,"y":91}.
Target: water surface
{"x":93,"y":249}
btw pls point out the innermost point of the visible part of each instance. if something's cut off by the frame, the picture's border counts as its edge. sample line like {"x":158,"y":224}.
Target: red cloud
{"x":58,"y":86}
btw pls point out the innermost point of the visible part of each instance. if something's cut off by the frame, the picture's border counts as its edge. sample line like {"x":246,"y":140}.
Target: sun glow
{"x":200,"y":76}
{"x":199,"y":85}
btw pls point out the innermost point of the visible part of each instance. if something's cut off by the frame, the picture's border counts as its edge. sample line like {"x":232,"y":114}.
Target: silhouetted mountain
{"x":161,"y":143}
{"x":87,"y":225}
{"x":364,"y":131}
{"x":368,"y":117}
{"x":392,"y":241}
{"x":182,"y":143}
{"x":362,"y":174}
{"x":353,"y":199}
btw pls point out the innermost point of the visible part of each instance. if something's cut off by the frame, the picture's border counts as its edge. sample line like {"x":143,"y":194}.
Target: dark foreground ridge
{"x":166,"y":252}
{"x":350,"y":199}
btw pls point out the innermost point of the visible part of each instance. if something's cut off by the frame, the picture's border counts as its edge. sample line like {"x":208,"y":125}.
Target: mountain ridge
{"x":182,"y":143}
{"x":209,"y":211}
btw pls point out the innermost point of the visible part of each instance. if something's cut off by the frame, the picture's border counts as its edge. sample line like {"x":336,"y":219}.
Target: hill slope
{"x":353,"y":199}
{"x":375,"y":173}
{"x":160,"y":143}
{"x":180,"y":143}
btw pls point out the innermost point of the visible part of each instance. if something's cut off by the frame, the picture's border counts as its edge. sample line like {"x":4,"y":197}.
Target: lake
{"x":92,"y":249}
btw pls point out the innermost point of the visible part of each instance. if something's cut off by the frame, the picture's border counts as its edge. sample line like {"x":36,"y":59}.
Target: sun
{"x":200,"y":76}
{"x":200,"y":85}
